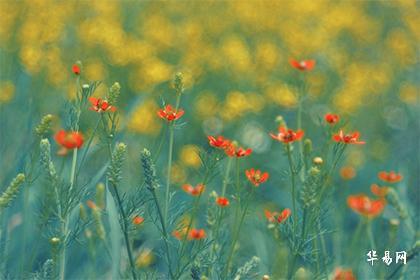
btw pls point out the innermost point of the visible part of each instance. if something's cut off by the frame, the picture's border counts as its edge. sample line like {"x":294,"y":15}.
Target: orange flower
{"x":177,"y":234}
{"x":284,"y":215}
{"x":287,"y":135}
{"x":303,"y":65}
{"x":170,"y":114}
{"x":196,"y":234}
{"x":273,"y":217}
{"x":256,"y":177}
{"x":347,"y":172}
{"x":332,"y":118}
{"x":137,"y":220}
{"x":100,"y":105}
{"x":91,"y":205}
{"x":343,"y":274}
{"x":352,"y":138}
{"x":219,"y":142}
{"x":363,"y":205}
{"x":379,"y":191}
{"x":76,"y":69}
{"x":391,"y":177}
{"x":69,"y":139}
{"x":231,"y":150}
{"x":222,"y":201}
{"x":194,"y":191}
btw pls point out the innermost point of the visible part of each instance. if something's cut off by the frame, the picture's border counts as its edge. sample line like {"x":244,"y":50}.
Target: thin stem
{"x":64,"y":225}
{"x":370,"y":235}
{"x":164,"y":232}
{"x":236,"y":235}
{"x":83,"y":158}
{"x":168,"y":177}
{"x":293,"y":181}
{"x":125,"y":232}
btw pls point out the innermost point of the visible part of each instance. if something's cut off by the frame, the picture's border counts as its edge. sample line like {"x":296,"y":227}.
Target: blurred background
{"x":234,"y":56}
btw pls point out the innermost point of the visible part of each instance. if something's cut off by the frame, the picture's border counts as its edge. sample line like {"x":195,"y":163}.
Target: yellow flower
{"x":144,"y":119}
{"x":189,"y":156}
{"x":7,"y":91}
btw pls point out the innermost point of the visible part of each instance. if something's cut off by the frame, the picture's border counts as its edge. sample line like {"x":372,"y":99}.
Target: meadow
{"x":209,"y":140}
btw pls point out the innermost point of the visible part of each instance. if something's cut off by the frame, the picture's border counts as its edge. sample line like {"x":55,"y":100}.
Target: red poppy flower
{"x":351,"y":138}
{"x":343,"y":274}
{"x":76,"y":69}
{"x":332,"y":118}
{"x":287,"y":135}
{"x":196,"y":234}
{"x":256,"y":177}
{"x":347,"y":172}
{"x":222,"y":201}
{"x":100,"y":105}
{"x":69,"y":139}
{"x":284,"y":215}
{"x":379,"y":191}
{"x":219,"y":142}
{"x":169,"y":114}
{"x":231,"y":150}
{"x":273,"y":217}
{"x":391,"y":177}
{"x":194,"y":191}
{"x":303,"y":65}
{"x":365,"y":206}
{"x":137,"y":220}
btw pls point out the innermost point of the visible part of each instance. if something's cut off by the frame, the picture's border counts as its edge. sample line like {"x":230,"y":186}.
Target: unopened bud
{"x":307,"y":146}
{"x":100,"y":195}
{"x":55,"y":240}
{"x":318,"y":160}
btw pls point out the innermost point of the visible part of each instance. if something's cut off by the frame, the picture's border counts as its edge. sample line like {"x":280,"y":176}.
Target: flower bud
{"x":44,"y":127}
{"x":114,"y":93}
{"x":100,"y":195}
{"x":318,"y":160}
{"x":307,"y":146}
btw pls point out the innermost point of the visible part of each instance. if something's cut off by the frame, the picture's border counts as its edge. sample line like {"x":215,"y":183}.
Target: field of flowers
{"x":209,"y":139}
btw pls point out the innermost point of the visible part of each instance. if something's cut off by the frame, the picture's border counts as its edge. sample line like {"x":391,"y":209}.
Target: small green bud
{"x":179,"y":82}
{"x":307,"y":146}
{"x":115,"y":169}
{"x":114,"y":93}
{"x":10,"y":193}
{"x":302,"y":274}
{"x":44,"y":127}
{"x":280,"y":120}
{"x":150,"y":177}
{"x":100,"y":195}
{"x":314,"y":171}
{"x":55,"y":241}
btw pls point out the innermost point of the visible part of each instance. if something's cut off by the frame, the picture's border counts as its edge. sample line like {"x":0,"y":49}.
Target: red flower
{"x":69,"y":139}
{"x":343,"y":274}
{"x":100,"y":105}
{"x":196,"y":234}
{"x":363,"y":205}
{"x":352,"y":138}
{"x":284,"y":215}
{"x":219,"y":142}
{"x":231,"y":150}
{"x":391,"y":177}
{"x":170,"y":114}
{"x":287,"y":135}
{"x":273,"y":217}
{"x":303,"y":65}
{"x":194,"y":191}
{"x":256,"y":177}
{"x":137,"y":220}
{"x":222,"y":201}
{"x":76,"y":69}
{"x":379,"y":191}
{"x":332,"y":118}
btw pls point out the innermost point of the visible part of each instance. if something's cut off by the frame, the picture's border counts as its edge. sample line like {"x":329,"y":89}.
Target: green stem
{"x":293,"y":181}
{"x":125,"y":232}
{"x":65,"y":220}
{"x":226,"y":178}
{"x":83,"y":158}
{"x":236,"y":235}
{"x":164,"y":232}
{"x":370,"y":235}
{"x":168,"y":177}
{"x":124,"y":225}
